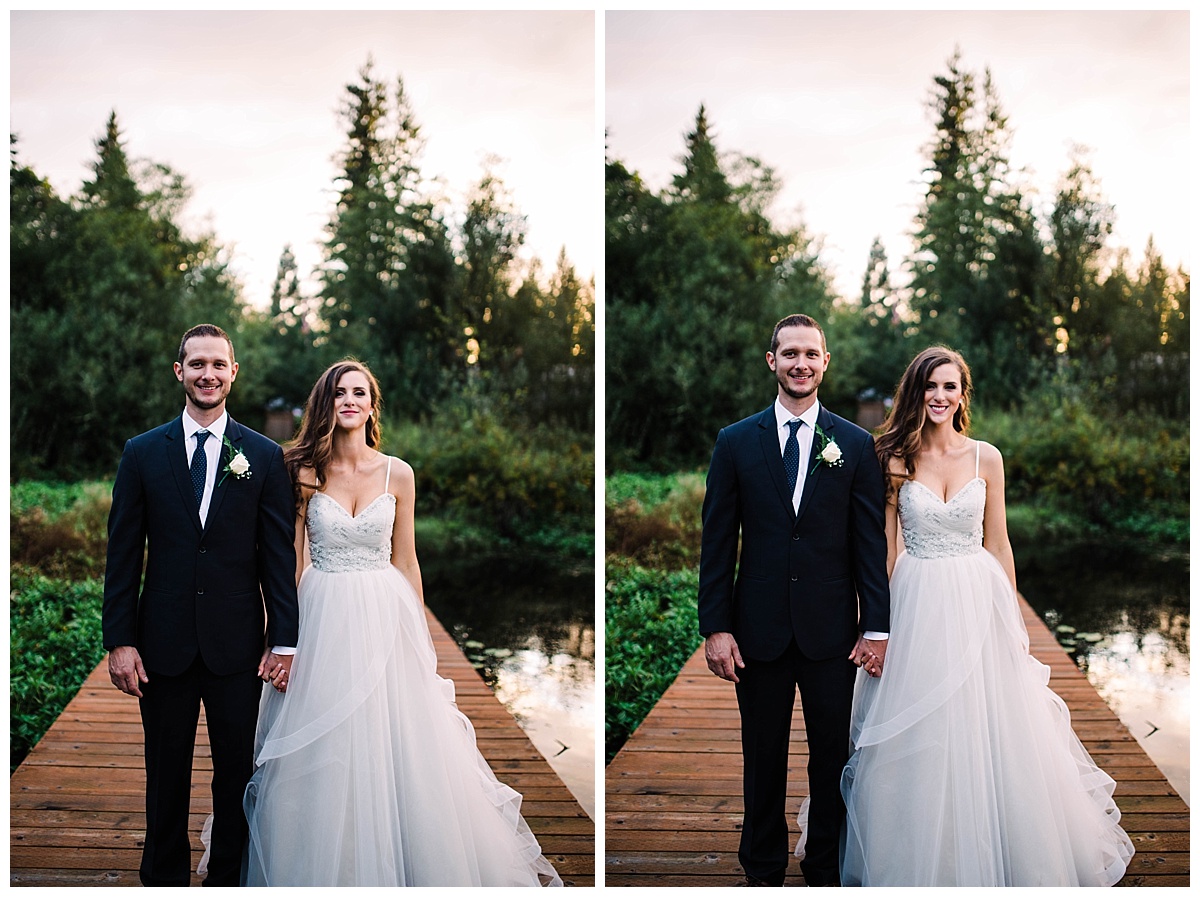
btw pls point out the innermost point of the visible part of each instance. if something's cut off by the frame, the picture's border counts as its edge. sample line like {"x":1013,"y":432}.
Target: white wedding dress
{"x":366,"y":772}
{"x":965,"y":770}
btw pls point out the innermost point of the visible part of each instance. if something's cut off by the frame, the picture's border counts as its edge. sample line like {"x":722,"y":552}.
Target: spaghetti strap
{"x":976,"y":459}
{"x":387,"y":481}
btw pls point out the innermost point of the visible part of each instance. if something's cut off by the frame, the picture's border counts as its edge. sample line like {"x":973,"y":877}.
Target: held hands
{"x":276,"y":669}
{"x":868,"y":654}
{"x":126,"y":671}
{"x":722,"y":655}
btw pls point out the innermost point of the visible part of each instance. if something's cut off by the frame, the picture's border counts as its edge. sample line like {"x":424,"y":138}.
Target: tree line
{"x":697,"y":274}
{"x":436,"y":300}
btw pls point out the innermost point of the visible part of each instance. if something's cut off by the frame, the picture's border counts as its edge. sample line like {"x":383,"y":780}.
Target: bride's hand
{"x":868,"y":654}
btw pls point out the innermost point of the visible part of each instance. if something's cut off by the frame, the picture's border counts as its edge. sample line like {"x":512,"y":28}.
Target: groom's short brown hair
{"x":204,"y":330}
{"x":796,"y":321}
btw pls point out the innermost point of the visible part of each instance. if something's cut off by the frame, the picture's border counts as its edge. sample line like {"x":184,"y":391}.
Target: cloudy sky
{"x":835,"y":102}
{"x":245,"y":106}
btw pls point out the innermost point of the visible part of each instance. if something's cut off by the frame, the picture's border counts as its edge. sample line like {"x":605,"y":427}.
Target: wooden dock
{"x":673,"y":795}
{"x":77,"y":812}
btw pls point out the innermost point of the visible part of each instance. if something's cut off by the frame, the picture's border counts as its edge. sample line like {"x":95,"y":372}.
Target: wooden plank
{"x":77,"y":803}
{"x":673,"y":795}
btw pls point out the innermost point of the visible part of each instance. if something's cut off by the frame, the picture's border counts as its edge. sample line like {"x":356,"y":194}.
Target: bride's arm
{"x":404,"y":543}
{"x":303,"y":558}
{"x":995,"y":527}
{"x":891,"y":520}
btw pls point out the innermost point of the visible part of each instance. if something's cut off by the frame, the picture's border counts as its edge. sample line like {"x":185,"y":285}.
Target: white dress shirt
{"x":804,"y":437}
{"x":212,"y":450}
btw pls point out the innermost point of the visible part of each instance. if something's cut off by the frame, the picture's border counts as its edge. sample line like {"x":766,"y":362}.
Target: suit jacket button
{"x":201,"y":591}
{"x":795,"y":538}
{"x":795,"y":579}
{"x":203,"y":549}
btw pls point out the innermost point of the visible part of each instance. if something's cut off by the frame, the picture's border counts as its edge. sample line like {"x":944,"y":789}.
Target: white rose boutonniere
{"x":828,"y":451}
{"x":238,"y":465}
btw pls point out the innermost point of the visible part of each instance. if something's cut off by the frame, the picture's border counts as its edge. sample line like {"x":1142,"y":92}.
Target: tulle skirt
{"x":965,"y":770}
{"x":367,"y":773}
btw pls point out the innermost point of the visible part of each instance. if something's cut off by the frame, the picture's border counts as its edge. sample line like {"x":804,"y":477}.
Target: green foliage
{"x":514,"y":482}
{"x":650,"y":631}
{"x":697,"y":277}
{"x":102,"y":284}
{"x":654,"y":521}
{"x":55,"y":643}
{"x":1114,"y":471}
{"x":60,"y":530}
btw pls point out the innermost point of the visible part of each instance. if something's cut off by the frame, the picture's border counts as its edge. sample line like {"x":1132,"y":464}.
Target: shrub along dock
{"x":77,"y":802}
{"x":673,"y":794}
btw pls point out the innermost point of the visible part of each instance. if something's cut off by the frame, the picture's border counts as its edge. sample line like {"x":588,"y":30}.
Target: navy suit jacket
{"x":819,"y":575}
{"x":215,"y":591}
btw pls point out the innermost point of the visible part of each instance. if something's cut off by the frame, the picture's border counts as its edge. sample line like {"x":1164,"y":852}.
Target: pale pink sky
{"x":835,"y":102}
{"x":244,"y":105}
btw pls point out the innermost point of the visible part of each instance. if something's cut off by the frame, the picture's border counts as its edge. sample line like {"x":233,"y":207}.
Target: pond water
{"x":528,"y":625}
{"x":1125,"y":619}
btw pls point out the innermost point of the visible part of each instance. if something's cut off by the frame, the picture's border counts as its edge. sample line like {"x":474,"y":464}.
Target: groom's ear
{"x":771,"y":360}
{"x":178,"y":371}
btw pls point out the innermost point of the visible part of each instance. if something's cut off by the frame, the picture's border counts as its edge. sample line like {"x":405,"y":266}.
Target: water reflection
{"x":1126,"y":621}
{"x":527,"y":624}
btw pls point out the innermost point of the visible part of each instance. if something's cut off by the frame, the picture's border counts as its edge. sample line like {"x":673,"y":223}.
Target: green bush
{"x":1119,"y":473}
{"x":60,"y":529}
{"x":514,"y":482}
{"x":55,"y":642}
{"x":650,"y":631}
{"x":654,"y":521}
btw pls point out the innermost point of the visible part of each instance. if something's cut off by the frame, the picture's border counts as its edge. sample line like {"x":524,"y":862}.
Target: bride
{"x":965,"y":770}
{"x":366,"y":772}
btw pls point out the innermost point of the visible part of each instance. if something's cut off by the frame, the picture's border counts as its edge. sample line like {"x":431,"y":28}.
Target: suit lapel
{"x":768,"y":438}
{"x":221,"y":484}
{"x":814,"y":470}
{"x":178,"y":462}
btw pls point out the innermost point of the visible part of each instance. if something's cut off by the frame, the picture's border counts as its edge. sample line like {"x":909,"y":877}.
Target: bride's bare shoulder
{"x":402,"y":474}
{"x":991,"y":461}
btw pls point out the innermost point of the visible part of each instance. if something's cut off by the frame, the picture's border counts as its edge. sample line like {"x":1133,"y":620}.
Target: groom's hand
{"x":126,"y":671}
{"x":869,"y":654}
{"x":276,"y":669}
{"x":722,"y":655}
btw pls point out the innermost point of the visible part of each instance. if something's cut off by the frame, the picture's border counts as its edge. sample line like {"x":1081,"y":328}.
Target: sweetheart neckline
{"x":954,"y":496}
{"x":364,"y":508}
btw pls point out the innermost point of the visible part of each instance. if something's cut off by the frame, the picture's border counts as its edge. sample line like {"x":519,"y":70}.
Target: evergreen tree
{"x":695,"y":280}
{"x":387,"y":274}
{"x":977,"y":270}
{"x":102,"y":288}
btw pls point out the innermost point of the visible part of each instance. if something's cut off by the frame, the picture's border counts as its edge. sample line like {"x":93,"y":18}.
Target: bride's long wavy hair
{"x":313,"y":445}
{"x":901,"y":436}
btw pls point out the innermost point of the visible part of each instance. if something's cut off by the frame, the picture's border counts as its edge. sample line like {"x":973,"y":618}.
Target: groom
{"x":206,"y":504}
{"x":809,"y":601}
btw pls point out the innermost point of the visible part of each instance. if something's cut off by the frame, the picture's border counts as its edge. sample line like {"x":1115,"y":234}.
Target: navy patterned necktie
{"x":200,"y":465}
{"x":791,"y":455}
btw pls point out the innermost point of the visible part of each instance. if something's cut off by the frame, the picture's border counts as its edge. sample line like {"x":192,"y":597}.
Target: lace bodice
{"x":933,"y":528}
{"x":340,"y":543}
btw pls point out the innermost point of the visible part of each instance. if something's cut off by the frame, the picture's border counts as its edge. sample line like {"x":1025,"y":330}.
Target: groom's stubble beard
{"x":782,"y":378}
{"x":193,"y":397}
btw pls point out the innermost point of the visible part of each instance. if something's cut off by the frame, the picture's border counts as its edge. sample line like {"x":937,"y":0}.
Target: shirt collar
{"x":782,"y":415}
{"x":217,"y":427}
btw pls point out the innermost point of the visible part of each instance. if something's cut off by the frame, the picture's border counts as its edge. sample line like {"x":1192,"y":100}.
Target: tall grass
{"x":58,"y":537}
{"x":650,"y":631}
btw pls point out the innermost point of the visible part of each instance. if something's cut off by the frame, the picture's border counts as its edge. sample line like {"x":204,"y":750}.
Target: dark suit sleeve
{"x":126,"y":552}
{"x":719,"y":541}
{"x":869,"y":542}
{"x":277,"y":555}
